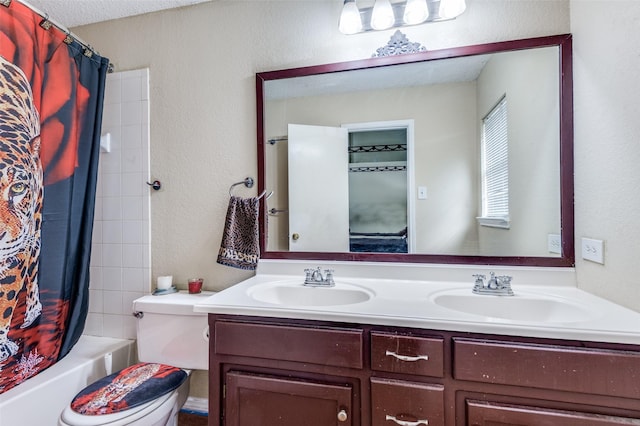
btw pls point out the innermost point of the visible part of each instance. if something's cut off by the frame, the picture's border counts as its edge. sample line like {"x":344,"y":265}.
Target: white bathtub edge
{"x":41,"y":399}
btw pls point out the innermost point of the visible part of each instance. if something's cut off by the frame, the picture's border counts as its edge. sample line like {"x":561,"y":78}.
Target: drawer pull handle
{"x":342,"y":416}
{"x":406,"y":357}
{"x":424,"y":422}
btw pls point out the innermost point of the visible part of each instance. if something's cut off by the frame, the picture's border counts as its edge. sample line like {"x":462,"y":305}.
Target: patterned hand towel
{"x":240,"y":247}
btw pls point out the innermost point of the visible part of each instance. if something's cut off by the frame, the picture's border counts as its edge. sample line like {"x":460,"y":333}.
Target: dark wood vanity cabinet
{"x":268,"y":371}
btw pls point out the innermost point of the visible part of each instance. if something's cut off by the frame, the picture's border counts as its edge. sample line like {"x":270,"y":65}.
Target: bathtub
{"x":40,"y":400}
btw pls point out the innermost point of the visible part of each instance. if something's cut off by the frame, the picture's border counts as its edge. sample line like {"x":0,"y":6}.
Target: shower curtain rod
{"x":48,"y":23}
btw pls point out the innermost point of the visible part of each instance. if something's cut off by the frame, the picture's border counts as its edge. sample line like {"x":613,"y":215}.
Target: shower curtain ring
{"x":45,"y":23}
{"x":67,"y":37}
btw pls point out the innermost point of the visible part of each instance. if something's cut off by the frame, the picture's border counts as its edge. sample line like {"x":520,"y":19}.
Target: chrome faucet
{"x":314,"y":278}
{"x":497,"y":285}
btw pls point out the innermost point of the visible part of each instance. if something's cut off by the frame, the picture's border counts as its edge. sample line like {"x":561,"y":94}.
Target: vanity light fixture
{"x":350,"y":20}
{"x":382,"y":16}
{"x":415,"y":12}
{"x":385,"y":14}
{"x":449,"y":9}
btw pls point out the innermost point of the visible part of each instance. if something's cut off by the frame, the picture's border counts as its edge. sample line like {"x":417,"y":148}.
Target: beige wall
{"x":607,"y":144}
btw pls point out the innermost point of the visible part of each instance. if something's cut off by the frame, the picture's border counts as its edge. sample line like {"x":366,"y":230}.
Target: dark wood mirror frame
{"x":567,"y":258}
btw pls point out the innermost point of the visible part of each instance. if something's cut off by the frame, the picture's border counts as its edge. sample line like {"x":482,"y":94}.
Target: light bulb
{"x":449,"y":9}
{"x":382,"y":16}
{"x":350,"y":21}
{"x":416,"y":12}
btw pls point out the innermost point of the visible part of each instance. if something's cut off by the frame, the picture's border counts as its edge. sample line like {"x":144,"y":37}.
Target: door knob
{"x":342,"y":415}
{"x":295,"y":237}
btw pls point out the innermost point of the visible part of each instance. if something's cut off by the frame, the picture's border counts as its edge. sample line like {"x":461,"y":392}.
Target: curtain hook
{"x":88,"y":51}
{"x":45,"y":23}
{"x":68,"y":39}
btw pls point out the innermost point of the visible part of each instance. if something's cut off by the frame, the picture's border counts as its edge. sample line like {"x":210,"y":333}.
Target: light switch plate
{"x":422,"y":193}
{"x":553,"y":243}
{"x":593,"y":250}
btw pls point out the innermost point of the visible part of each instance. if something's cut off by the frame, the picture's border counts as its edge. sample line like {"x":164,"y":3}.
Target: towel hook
{"x":263,"y":193}
{"x":155,"y":184}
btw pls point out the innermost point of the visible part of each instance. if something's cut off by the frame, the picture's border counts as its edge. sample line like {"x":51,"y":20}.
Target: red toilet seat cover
{"x":129,"y":387}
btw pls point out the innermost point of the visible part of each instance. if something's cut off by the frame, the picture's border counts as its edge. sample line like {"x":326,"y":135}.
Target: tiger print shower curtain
{"x":51,"y":94}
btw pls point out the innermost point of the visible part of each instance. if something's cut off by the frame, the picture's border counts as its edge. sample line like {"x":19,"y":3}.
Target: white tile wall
{"x":120,"y":264}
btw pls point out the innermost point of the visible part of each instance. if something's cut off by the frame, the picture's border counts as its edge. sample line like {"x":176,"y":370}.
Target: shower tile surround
{"x":120,"y":258}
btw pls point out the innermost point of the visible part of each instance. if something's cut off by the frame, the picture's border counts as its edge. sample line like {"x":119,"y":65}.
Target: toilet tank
{"x":169,"y":332}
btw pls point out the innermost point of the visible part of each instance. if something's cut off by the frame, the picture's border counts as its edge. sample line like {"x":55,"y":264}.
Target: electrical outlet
{"x":553,"y":243}
{"x":593,"y":250}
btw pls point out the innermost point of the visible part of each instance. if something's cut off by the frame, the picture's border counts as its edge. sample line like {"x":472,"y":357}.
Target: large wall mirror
{"x":463,"y":155}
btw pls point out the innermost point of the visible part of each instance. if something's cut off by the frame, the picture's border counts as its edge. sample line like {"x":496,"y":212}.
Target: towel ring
{"x":248,"y":182}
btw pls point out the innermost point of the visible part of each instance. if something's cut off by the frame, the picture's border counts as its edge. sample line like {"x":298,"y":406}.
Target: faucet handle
{"x":308,"y":273}
{"x":479,"y":281}
{"x":328,"y":276}
{"x":479,"y":277}
{"x":504,"y":281}
{"x":504,"y":285}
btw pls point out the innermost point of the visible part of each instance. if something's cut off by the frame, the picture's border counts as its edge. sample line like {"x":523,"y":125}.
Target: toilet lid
{"x":129,"y":387}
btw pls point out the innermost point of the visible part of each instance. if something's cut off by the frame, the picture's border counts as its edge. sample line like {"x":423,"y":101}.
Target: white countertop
{"x":410,"y":303}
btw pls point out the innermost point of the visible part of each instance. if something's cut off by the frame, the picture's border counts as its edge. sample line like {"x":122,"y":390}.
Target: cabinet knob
{"x":342,"y":415}
{"x":295,"y":237}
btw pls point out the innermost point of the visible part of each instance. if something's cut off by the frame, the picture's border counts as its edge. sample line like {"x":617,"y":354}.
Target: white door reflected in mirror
{"x":318,"y":188}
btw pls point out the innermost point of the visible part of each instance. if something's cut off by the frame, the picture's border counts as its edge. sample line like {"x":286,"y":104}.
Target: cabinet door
{"x":482,"y":413}
{"x":258,"y":400}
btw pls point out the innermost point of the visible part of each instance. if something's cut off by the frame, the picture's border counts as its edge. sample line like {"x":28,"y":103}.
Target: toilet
{"x":172,"y":340}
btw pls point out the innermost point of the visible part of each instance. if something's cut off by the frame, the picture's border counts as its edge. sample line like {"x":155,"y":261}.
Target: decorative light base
{"x":398,"y":44}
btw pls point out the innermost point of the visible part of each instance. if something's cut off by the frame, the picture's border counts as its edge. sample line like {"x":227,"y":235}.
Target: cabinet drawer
{"x":481,"y":413}
{"x":324,"y":346}
{"x":593,"y":371}
{"x":407,"y":354}
{"x":401,"y":402}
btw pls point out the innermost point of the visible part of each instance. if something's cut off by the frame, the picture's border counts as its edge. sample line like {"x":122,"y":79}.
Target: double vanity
{"x":383,"y":347}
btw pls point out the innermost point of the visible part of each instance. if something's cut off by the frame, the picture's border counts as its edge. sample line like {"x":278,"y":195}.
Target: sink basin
{"x":521,"y":307}
{"x":295,"y":294}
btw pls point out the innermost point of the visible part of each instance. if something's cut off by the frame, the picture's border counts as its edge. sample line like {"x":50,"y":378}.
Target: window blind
{"x":495,"y":162}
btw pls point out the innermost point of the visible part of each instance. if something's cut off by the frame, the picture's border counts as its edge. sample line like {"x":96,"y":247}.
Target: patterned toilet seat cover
{"x":128,"y":388}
